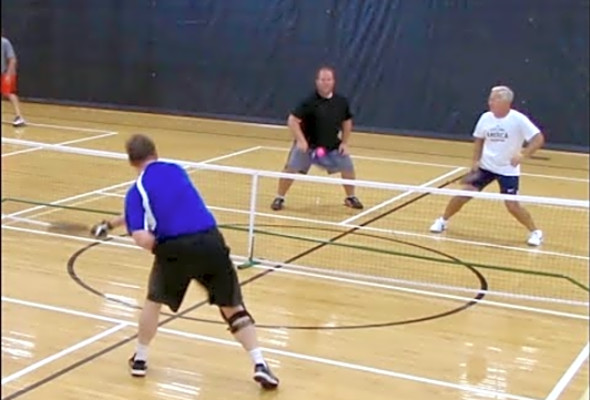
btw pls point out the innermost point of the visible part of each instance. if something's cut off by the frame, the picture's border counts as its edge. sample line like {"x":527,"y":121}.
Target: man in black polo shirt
{"x":321,"y":126}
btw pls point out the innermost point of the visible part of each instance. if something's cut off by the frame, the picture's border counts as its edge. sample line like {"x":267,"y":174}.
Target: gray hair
{"x":504,"y":92}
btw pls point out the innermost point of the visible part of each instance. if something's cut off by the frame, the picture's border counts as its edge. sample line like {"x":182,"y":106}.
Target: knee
{"x":348,"y":174}
{"x":228,"y":311}
{"x":461,"y":199}
{"x":512,"y":206}
{"x":152,"y":307}
{"x":237,"y":318}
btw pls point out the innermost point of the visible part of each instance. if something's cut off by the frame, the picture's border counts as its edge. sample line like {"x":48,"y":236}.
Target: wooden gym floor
{"x":62,"y":341}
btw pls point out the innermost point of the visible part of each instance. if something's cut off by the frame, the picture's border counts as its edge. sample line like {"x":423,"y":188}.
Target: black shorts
{"x":204,"y":257}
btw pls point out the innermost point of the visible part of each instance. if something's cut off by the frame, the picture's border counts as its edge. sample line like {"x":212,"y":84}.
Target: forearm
{"x":534,"y":145}
{"x":144,"y":239}
{"x":346,"y":131}
{"x":116,"y":222}
{"x":295,"y":128}
{"x":477,"y":149}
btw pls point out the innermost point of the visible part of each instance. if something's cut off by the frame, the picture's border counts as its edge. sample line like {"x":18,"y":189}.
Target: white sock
{"x":256,"y":356}
{"x":280,"y":197}
{"x":141,"y":352}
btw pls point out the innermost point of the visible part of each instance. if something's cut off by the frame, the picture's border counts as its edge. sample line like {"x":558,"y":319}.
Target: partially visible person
{"x":499,"y":137}
{"x":9,"y":80}
{"x":321,"y":121}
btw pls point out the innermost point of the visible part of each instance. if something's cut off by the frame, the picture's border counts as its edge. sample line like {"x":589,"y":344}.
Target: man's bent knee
{"x":237,"y":318}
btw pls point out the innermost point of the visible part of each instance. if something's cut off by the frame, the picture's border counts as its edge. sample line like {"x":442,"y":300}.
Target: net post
{"x":253,"y":194}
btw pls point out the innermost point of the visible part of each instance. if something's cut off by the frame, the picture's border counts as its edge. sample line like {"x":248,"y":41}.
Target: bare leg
{"x":242,"y":327}
{"x":454,"y":206}
{"x":246,"y":335}
{"x":15,"y":104}
{"x":349,"y":189}
{"x":285,"y":184}
{"x":521,"y":214}
{"x":148,"y":325}
{"x":456,"y":203}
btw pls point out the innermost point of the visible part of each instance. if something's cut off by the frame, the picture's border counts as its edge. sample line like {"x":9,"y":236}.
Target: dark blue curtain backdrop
{"x":412,"y":65}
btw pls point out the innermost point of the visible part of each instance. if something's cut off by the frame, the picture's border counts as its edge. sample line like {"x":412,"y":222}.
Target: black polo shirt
{"x":322,"y":118}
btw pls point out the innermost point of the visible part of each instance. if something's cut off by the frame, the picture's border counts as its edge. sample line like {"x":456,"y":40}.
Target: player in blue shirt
{"x":165,"y":214}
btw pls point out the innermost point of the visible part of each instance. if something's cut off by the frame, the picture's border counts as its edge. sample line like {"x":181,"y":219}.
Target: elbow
{"x":537,"y":141}
{"x":146,"y":243}
{"x":144,"y":239}
{"x":291,"y":120}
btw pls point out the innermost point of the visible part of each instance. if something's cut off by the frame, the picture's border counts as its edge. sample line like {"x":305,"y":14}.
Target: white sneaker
{"x":439,"y":225}
{"x":18,"y":121}
{"x":535,"y":238}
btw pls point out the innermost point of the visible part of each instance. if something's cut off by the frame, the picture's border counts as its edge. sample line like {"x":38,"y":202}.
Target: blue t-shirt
{"x":165,"y":202}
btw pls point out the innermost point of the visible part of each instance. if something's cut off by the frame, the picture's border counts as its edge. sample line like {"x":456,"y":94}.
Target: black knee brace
{"x":239,"y":320}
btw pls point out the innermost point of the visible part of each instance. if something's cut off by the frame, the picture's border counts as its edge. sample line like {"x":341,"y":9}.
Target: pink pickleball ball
{"x":320,"y":152}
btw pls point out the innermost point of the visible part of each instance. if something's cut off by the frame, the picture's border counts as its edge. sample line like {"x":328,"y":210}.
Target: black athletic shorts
{"x":204,"y":257}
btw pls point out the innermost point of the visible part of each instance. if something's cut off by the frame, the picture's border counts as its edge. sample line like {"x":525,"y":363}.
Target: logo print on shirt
{"x":497,"y":134}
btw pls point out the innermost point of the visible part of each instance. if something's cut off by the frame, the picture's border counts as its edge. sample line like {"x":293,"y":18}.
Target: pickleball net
{"x":482,"y":255}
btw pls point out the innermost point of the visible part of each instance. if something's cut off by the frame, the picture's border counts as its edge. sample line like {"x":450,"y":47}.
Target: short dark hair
{"x":139,"y":148}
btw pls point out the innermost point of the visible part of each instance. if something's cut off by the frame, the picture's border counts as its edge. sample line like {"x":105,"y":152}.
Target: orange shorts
{"x":8,"y":84}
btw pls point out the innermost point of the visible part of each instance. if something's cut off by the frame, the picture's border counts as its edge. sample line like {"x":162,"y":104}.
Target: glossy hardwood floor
{"x":69,"y":306}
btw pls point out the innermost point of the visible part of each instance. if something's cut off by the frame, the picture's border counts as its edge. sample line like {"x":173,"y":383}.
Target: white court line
{"x":117,"y":243}
{"x":343,"y":276}
{"x":284,"y":127}
{"x":391,"y":232}
{"x":435,"y":237}
{"x":26,"y":220}
{"x":64,"y":236}
{"x":428,"y":164}
{"x":80,"y":140}
{"x":400,"y":196}
{"x":429,"y":293}
{"x":271,"y":126}
{"x":63,"y":353}
{"x":390,"y":160}
{"x":581,"y":204}
{"x":118,"y":185}
{"x":289,"y":354}
{"x":560,"y":178}
{"x":345,"y":224}
{"x":569,"y":374}
{"x":63,"y":127}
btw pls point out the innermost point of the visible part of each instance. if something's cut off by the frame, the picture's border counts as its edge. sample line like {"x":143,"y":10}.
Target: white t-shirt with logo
{"x":503,"y":138}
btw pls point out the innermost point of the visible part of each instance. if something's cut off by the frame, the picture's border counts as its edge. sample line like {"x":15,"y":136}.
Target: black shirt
{"x":322,"y":118}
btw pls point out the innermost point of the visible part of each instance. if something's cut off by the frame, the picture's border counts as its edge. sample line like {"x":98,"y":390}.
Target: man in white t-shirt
{"x":499,"y":137}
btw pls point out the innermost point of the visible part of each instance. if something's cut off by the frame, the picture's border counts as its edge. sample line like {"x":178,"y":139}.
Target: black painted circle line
{"x":253,"y":278}
{"x":480,"y":294}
